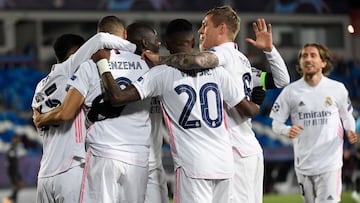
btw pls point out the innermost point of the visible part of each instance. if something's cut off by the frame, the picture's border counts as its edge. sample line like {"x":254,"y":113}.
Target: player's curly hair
{"x":227,"y":15}
{"x":325,"y":56}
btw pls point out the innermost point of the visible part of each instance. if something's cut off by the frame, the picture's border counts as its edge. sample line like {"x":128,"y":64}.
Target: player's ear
{"x":166,"y":45}
{"x":124,"y":35}
{"x":144,"y":44}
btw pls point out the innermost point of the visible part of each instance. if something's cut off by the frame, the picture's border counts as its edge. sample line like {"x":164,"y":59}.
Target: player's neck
{"x":313,"y":79}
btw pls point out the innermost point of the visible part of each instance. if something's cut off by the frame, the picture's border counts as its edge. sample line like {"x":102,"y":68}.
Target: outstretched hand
{"x":151,"y":58}
{"x":101,"y":54}
{"x":263,"y":34}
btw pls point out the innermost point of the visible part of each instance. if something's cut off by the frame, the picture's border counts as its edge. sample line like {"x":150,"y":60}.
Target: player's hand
{"x":352,"y":136}
{"x":258,"y":95}
{"x":294,"y":131}
{"x":263,"y":34}
{"x":35,"y":117}
{"x":101,"y":54}
{"x":151,"y":58}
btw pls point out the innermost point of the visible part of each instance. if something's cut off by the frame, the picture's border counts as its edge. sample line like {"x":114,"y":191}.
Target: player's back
{"x":193,"y":109}
{"x":125,"y":137}
{"x":239,"y":67}
{"x":64,"y":142}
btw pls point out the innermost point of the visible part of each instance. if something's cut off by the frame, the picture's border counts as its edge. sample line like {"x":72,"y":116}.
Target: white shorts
{"x":157,"y":190}
{"x":248,"y":178}
{"x":109,"y":180}
{"x":191,"y":190}
{"x":323,"y":188}
{"x":64,"y":187}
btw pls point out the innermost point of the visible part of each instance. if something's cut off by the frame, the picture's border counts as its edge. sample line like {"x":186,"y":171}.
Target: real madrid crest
{"x":328,"y":101}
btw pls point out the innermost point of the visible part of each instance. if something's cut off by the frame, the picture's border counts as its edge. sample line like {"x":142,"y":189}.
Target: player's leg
{"x":248,"y":178}
{"x":44,"y":190}
{"x":68,"y":184}
{"x":94,"y":186}
{"x":306,"y":188}
{"x":132,"y":184}
{"x":328,"y":187}
{"x":223,"y":190}
{"x":191,"y":190}
{"x":156,"y":190}
{"x":109,"y":180}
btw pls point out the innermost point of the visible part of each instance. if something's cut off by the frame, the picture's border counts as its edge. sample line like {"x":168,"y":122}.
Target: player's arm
{"x":99,"y":41}
{"x":115,"y":95}
{"x":66,"y":111}
{"x":279,"y":76}
{"x":184,"y":61}
{"x":247,"y":108}
{"x":347,"y":118}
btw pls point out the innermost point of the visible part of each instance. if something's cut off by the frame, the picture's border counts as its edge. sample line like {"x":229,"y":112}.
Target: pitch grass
{"x":296,"y":198}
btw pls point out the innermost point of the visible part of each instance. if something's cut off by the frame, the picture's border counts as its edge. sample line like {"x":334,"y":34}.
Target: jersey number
{"x":203,"y":94}
{"x":247,"y":87}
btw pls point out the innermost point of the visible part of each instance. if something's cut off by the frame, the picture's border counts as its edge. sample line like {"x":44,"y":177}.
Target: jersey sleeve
{"x":257,"y":77}
{"x":99,"y":41}
{"x":149,"y":84}
{"x":280,"y":110}
{"x":220,"y":55}
{"x":81,"y":79}
{"x":278,"y":68}
{"x":345,"y":110}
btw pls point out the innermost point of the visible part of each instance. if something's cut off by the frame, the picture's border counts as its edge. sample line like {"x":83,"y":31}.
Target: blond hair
{"x":227,"y":15}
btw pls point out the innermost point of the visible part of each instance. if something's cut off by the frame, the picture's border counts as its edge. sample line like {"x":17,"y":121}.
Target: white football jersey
{"x":318,"y":148}
{"x":64,"y":142}
{"x":124,"y":138}
{"x":195,"y":117}
{"x":243,"y":137}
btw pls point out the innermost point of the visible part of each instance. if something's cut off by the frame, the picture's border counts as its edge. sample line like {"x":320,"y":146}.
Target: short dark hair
{"x":63,"y":45}
{"x":177,"y":26}
{"x":137,"y":31}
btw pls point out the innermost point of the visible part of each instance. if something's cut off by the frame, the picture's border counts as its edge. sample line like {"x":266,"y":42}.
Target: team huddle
{"x":106,"y":106}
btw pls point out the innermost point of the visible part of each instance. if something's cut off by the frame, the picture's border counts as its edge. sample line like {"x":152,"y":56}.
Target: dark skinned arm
{"x":115,"y":95}
{"x":247,"y":108}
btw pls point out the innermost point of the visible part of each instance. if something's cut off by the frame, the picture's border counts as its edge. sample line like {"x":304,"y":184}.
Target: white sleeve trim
{"x":278,"y":68}
{"x":280,"y":128}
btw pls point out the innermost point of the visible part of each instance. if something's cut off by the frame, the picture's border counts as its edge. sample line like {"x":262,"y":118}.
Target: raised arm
{"x":99,"y":41}
{"x":279,"y":76}
{"x":184,"y":61}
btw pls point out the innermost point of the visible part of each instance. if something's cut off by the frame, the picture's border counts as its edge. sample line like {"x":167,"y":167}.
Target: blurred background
{"x":29,"y":27}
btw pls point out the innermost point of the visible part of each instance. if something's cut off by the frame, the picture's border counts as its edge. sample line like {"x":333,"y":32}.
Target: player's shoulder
{"x":162,"y":69}
{"x":332,"y":81}
{"x":122,"y":53}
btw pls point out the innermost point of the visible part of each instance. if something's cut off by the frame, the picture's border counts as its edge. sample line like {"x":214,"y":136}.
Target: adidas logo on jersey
{"x":330,"y":198}
{"x":301,"y":103}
